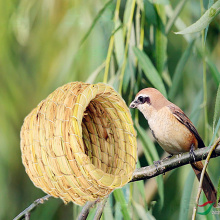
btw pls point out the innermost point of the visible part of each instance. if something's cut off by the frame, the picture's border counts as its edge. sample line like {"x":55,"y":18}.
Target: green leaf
{"x":107,"y":4}
{"x":217,"y":108}
{"x":160,"y":185}
{"x":162,"y":2}
{"x":151,"y":155}
{"x":148,"y":145}
{"x":186,"y":196}
{"x":178,"y":74}
{"x":150,"y":13}
{"x":204,"y":21}
{"x":215,"y":132}
{"x":161,"y":39}
{"x":218,"y":191}
{"x":119,"y":42}
{"x":140,"y":185}
{"x":44,"y":214}
{"x":129,"y":70}
{"x":196,"y":108}
{"x":76,"y":210}
{"x":214,"y":71}
{"x":211,"y":2}
{"x":108,"y":211}
{"x":127,"y":11}
{"x":118,"y":213}
{"x":91,"y":215}
{"x":95,"y":73}
{"x":150,"y":71}
{"x":119,"y":197}
{"x":142,"y":214}
{"x":175,"y":15}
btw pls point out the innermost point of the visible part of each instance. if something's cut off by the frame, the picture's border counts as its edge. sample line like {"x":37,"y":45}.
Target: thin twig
{"x":27,"y":216}
{"x":26,"y":213}
{"x":85,"y":211}
{"x":202,"y":177}
{"x":100,"y":208}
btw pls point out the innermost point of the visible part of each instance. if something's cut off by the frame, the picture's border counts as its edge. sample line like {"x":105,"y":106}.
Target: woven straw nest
{"x":79,"y":143}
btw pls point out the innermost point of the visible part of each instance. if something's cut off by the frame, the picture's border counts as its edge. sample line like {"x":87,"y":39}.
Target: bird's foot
{"x":192,"y":153}
{"x":156,"y":163}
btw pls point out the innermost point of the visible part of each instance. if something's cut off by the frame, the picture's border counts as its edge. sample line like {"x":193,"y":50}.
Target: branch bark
{"x":85,"y":211}
{"x":26,"y":213}
{"x":100,"y":208}
{"x":172,"y":163}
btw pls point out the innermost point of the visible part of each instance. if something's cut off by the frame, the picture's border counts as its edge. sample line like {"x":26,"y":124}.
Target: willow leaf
{"x":204,"y":21}
{"x":150,"y":71}
{"x":213,"y":70}
{"x":217,"y":108}
{"x":186,"y":196}
{"x":218,"y":192}
{"x":119,"y":197}
{"x":161,"y":39}
{"x":178,"y":74}
{"x":95,"y":21}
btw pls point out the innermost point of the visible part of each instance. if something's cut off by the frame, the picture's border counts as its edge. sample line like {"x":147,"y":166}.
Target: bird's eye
{"x":141,"y":99}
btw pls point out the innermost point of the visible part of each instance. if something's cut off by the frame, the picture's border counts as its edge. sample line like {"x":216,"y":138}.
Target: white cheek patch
{"x":143,"y":107}
{"x":140,"y":107}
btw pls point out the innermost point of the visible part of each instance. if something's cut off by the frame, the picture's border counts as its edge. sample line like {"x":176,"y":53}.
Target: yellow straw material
{"x":79,"y":143}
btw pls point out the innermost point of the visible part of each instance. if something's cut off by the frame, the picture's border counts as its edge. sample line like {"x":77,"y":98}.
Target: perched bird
{"x":173,"y":130}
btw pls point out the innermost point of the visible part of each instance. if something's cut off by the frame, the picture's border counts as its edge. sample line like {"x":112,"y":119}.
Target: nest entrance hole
{"x":100,"y":138}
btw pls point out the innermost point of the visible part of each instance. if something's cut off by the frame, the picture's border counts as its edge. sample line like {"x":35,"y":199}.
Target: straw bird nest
{"x":79,"y":143}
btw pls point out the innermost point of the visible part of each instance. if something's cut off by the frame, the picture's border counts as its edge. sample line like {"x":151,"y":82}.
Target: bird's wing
{"x":181,"y":117}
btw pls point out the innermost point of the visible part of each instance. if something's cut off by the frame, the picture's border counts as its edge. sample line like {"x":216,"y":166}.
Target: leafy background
{"x":130,"y":45}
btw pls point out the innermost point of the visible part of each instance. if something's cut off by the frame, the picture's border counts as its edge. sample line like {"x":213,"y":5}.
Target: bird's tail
{"x":207,"y":185}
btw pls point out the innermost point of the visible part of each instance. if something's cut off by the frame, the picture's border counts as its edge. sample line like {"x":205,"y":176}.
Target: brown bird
{"x":173,"y":130}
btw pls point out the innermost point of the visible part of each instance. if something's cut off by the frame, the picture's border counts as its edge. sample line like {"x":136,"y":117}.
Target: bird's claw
{"x":156,"y":163}
{"x":192,"y":153}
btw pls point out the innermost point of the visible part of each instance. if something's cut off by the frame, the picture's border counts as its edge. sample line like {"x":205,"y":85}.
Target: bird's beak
{"x":133,"y":104}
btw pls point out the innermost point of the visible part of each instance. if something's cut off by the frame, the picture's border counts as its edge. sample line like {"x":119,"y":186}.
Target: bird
{"x":173,"y":131}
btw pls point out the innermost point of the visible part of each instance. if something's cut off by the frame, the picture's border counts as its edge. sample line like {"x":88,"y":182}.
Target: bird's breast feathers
{"x":173,"y":136}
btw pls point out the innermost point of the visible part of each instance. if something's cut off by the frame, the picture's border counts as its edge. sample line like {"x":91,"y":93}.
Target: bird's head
{"x":149,"y":101}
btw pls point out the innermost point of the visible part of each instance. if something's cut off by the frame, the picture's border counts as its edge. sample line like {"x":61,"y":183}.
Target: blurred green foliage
{"x":41,"y":48}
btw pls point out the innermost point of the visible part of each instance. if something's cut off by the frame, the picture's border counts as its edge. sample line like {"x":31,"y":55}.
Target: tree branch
{"x":26,"y":213}
{"x":85,"y":211}
{"x":172,"y":163}
{"x":100,"y":208}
